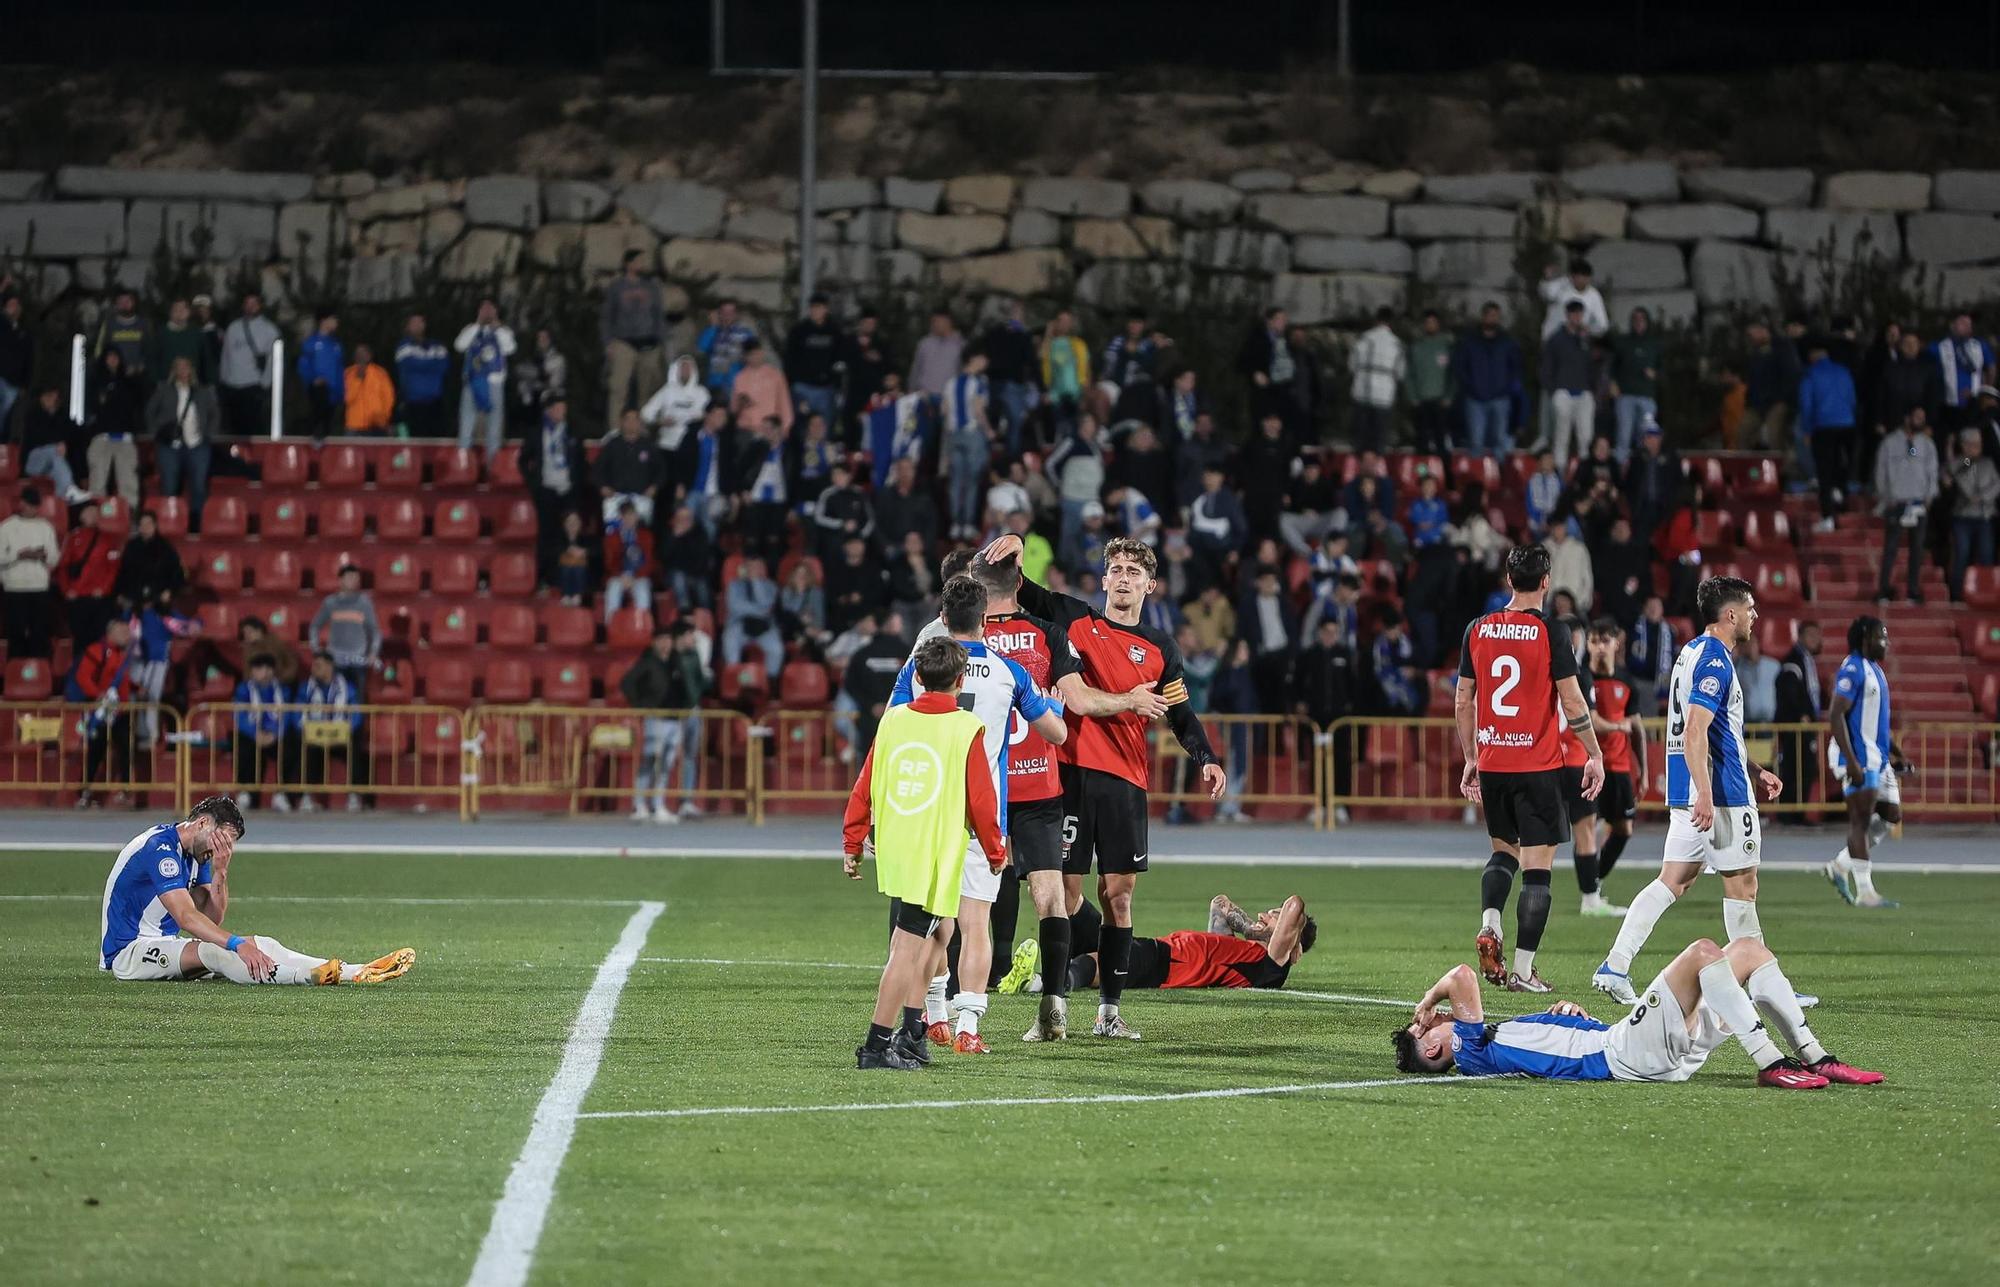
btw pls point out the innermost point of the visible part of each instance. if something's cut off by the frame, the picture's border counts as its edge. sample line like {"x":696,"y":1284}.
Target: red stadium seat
{"x":1714,"y":528}
{"x":10,"y":464}
{"x":221,"y":572}
{"x":1758,"y":480}
{"x":342,"y":519}
{"x":1767,"y":532}
{"x":342,"y":466}
{"x":1776,"y":633}
{"x":29,"y":679}
{"x":1408,"y":468}
{"x":1484,"y":470}
{"x":803,"y":683}
{"x":629,"y":628}
{"x":225,"y":516}
{"x":1714,"y":479}
{"x":447,"y":682}
{"x":285,"y":466}
{"x":512,"y":574}
{"x":400,"y":519}
{"x":509,"y":681}
{"x":1778,"y":585}
{"x":512,"y":626}
{"x":453,"y":628}
{"x":565,"y":683}
{"x":455,"y":520}
{"x":326,"y":565}
{"x":398,"y":572}
{"x":517,"y":522}
{"x":281,"y":518}
{"x":277,"y":572}
{"x":1982,"y":587}
{"x":795,"y":557}
{"x":1986,"y":646}
{"x":504,"y":469}
{"x":570,"y":628}
{"x":114,"y":518}
{"x":455,"y":467}
{"x":1989,"y":696}
{"x":171,"y":512}
{"x":218,"y":620}
{"x":455,"y":573}
{"x":400,"y":468}
{"x":286,"y":620}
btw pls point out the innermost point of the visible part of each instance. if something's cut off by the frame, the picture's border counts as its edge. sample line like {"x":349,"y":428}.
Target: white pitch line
{"x":1225,"y":1092}
{"x":509,"y":1248}
{"x":360,"y":898}
{"x":711,"y":960}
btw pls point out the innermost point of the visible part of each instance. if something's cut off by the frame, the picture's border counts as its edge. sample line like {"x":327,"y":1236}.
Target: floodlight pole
{"x":277,"y":389}
{"x":1345,"y":64}
{"x":76,"y":394}
{"x":809,"y":157}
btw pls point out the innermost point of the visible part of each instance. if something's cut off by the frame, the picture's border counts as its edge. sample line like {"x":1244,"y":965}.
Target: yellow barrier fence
{"x":1275,"y":766}
{"x":56,"y":753}
{"x":805,"y":761}
{"x":599,"y":758}
{"x":414,"y":754}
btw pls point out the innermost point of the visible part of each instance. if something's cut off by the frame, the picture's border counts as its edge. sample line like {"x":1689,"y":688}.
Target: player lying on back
{"x":1236,"y":951}
{"x":1706,"y":995}
{"x":173,"y":879}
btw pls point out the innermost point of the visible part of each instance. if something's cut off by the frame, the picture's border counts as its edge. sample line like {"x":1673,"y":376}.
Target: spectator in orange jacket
{"x":86,"y":575}
{"x":100,"y":675}
{"x":760,"y":390}
{"x":371,"y":395}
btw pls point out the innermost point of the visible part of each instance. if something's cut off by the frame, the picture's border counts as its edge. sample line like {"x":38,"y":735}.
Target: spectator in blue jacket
{"x":1430,"y":517}
{"x":1488,"y":369}
{"x":721,"y":344}
{"x":1827,"y":416}
{"x":328,"y":698}
{"x":266,"y":733}
{"x":323,"y":374}
{"x":422,"y":364}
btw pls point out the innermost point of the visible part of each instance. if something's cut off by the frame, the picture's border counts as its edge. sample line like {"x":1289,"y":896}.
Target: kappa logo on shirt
{"x":1716,"y":663}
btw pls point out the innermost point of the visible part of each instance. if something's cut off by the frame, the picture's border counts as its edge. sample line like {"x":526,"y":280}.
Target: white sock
{"x":1646,"y":910}
{"x":1864,"y":878}
{"x":349,"y":971}
{"x":1721,"y":993}
{"x":293,"y":967}
{"x":1739,"y":917}
{"x":1843,"y":860}
{"x":1489,"y":919}
{"x":1779,"y":1000}
{"x":1592,"y":899}
{"x":934,"y":1011}
{"x":1524,"y":963}
{"x":970,"y":1006}
{"x":1107,"y":1010}
{"x":1878,"y":831}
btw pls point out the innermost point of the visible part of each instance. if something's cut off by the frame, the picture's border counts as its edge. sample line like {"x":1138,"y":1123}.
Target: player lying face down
{"x":1236,"y":951}
{"x":1705,"y":996}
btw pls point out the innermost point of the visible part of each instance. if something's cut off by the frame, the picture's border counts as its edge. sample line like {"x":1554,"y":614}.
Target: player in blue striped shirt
{"x":1864,"y":755}
{"x":1706,"y":995}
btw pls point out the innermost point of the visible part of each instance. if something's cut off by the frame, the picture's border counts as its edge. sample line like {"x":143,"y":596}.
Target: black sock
{"x":951,"y":988}
{"x":1085,"y":930}
{"x":878,"y":1037}
{"x":1114,"y":954}
{"x":1531,"y":914}
{"x":1496,"y":881}
{"x":1055,"y":956}
{"x":1586,"y":870}
{"x":1006,"y":918}
{"x":1607,"y":858}
{"x":913,"y":1020}
{"x":1077,"y":974}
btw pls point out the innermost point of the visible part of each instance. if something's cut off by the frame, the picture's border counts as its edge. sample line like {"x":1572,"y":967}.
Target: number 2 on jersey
{"x":1508,"y":671}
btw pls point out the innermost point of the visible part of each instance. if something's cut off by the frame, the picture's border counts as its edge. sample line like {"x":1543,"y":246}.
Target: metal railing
{"x":574,"y":757}
{"x":57,"y":752}
{"x":415,"y":753}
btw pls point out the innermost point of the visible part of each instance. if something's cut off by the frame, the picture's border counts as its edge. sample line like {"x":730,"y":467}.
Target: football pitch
{"x":707,"y":1124}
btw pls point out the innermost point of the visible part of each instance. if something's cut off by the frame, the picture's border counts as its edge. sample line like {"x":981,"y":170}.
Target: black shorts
{"x":1524,"y":809}
{"x":1036,"y":829}
{"x":911,"y":918}
{"x":1104,"y":816}
{"x":1617,"y":801}
{"x":1148,"y":964}
{"x":1579,"y":808}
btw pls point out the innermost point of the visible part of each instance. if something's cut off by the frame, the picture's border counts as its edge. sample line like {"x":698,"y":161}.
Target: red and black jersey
{"x":1575,"y":754}
{"x":1043,"y":651}
{"x":1203,"y":960}
{"x":1513,"y":659}
{"x":1611,"y":697}
{"x":1116,"y":658}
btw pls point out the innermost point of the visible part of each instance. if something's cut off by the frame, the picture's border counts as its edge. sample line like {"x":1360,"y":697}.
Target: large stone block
{"x":980,"y":193}
{"x":318,"y":226}
{"x":1590,"y":219}
{"x":1352,"y":255}
{"x":1238,"y":250}
{"x":835,"y":194}
{"x":1732,"y":277}
{"x":1967,"y":190}
{"x":876,"y":228}
{"x":480,"y":254}
{"x":1637,"y":266}
{"x":920,"y":195}
{"x":381,"y":279}
{"x":1118,"y":283}
{"x":553,"y":244}
{"x":1948,"y":237}
{"x":1467,"y":263}
{"x":1696,"y":221}
{"x":1343,"y":177}
{"x":605,"y":244}
{"x":1395,"y":185}
{"x":693,"y":257}
{"x":1426,"y":222}
{"x":1143,"y":237}
{"x":1664,"y":307}
{"x":1191,"y":200}
{"x":1760,"y":188}
{"x":183,"y":185}
{"x":1011,"y":272}
{"x":22,"y":185}
{"x":943,"y":236}
{"x":223,"y":230}
{"x":1968,"y":287}
{"x":1027,"y":229}
{"x":573,"y":201}
{"x":399,"y":203}
{"x":1878,"y":190}
{"x":864,"y":265}
{"x":763,"y":223}
{"x":1846,"y":231}
{"x":429,"y":233}
{"x":352,"y":183}
{"x":504,"y":201}
{"x":95,"y":275}
{"x":675,"y":207}
{"x":1314,"y":298}
{"x":764,"y":294}
{"x":1098,"y":198}
{"x":1499,"y":188}
{"x":1626,"y":181}
{"x":61,"y":229}
{"x":1348,"y":216}
{"x":1262,"y":179}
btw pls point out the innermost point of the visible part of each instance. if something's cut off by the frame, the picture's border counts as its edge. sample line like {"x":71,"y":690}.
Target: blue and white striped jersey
{"x":963,"y":398}
{"x":1705,"y":676}
{"x":995,"y":688}
{"x":1561,"y":1047}
{"x":151,"y":865}
{"x":1864,"y":685}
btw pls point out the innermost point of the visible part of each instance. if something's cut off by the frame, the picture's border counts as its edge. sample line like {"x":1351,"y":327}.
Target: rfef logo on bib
{"x":915,"y":777}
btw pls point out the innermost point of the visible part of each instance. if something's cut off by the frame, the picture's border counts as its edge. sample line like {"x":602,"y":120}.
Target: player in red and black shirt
{"x":1517,"y":685}
{"x":1623,"y":736}
{"x":1236,"y":951}
{"x":1105,"y":796}
{"x":1581,"y":809}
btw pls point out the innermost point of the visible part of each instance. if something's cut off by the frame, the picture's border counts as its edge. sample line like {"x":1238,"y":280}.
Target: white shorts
{"x":1654,"y":1042}
{"x":979,"y":881}
{"x":1887,"y":791}
{"x":1735,"y":844}
{"x":149,"y":960}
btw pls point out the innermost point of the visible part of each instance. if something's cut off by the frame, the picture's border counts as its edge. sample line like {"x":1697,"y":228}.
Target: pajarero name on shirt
{"x":1508,"y":630}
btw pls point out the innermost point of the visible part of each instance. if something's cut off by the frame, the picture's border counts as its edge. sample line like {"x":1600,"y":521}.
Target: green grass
{"x":362,"y":1135}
